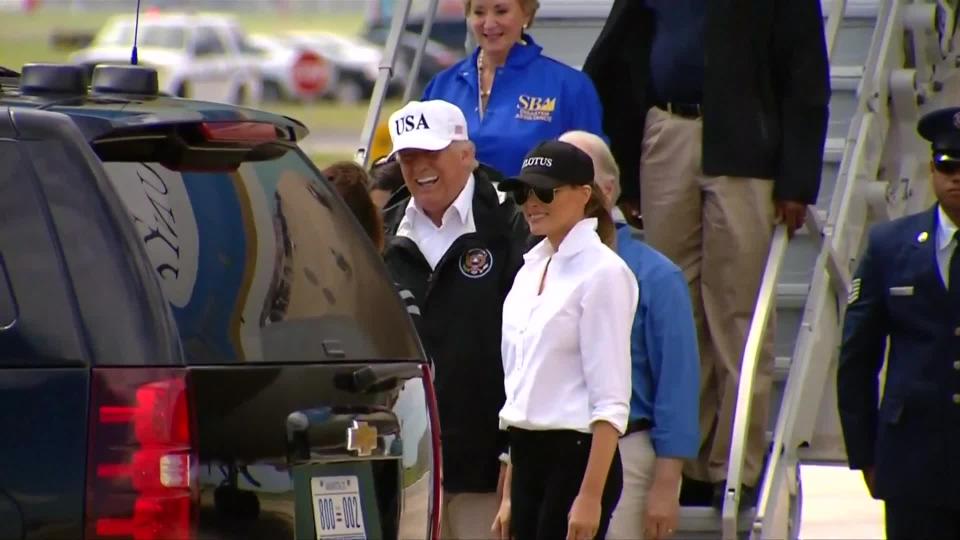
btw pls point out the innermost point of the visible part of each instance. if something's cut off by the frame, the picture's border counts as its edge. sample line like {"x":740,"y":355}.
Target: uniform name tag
{"x":901,"y":291}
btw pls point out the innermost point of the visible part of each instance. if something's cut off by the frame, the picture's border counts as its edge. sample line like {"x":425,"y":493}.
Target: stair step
{"x":832,"y":156}
{"x":843,"y":107}
{"x":833,"y":149}
{"x":846,"y":72}
{"x":781,"y":368}
{"x":853,"y":38}
{"x":845,"y":77}
{"x":697,"y":519}
{"x":855,"y":8}
{"x":792,"y":295}
{"x":800,"y":258}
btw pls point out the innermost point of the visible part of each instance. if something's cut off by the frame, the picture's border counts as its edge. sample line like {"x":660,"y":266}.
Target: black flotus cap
{"x":552,"y":164}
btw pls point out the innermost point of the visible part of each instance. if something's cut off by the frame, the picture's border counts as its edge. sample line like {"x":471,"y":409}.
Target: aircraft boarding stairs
{"x":891,"y":61}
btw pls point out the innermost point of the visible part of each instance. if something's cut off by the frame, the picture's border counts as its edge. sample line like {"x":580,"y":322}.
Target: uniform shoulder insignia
{"x":854,"y":291}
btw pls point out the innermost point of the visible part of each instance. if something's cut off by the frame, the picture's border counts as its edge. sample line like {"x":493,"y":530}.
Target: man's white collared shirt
{"x":566,"y":351}
{"x":946,"y":243}
{"x":434,"y":241}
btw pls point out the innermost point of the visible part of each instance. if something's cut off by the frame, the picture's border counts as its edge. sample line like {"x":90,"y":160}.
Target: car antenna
{"x":136,"y":27}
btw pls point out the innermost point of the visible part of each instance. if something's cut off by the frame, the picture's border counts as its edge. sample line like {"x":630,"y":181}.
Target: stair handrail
{"x":398,"y":24}
{"x":832,"y":29}
{"x":414,"y":74}
{"x":766,"y":301}
{"x":830,"y":271}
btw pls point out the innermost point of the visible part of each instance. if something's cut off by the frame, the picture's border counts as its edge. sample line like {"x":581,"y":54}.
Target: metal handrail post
{"x":748,"y":371}
{"x":833,"y":24}
{"x":414,"y":74}
{"x":397,"y":24}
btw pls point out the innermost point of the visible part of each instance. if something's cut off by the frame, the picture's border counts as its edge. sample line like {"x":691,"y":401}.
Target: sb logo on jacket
{"x":537,"y":109}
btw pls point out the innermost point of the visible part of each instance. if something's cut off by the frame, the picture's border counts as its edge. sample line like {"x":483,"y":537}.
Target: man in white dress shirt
{"x":456,"y":247}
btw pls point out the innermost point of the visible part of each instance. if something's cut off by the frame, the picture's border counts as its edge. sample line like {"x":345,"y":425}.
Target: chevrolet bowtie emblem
{"x":361,"y":438}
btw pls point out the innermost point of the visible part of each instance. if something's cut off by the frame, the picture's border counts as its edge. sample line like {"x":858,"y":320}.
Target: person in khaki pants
{"x":732,"y":97}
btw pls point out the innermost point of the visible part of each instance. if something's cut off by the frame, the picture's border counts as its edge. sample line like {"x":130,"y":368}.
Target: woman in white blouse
{"x":566,"y":355}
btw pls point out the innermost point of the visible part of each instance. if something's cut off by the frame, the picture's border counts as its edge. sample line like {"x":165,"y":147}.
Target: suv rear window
{"x":264,"y":264}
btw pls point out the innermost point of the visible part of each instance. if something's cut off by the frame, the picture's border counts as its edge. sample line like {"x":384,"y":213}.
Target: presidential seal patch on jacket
{"x":476,"y":262}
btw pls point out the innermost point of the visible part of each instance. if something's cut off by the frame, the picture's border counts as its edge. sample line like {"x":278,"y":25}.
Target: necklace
{"x":483,"y":93}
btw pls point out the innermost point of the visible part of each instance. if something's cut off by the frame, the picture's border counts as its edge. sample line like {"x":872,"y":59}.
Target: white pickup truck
{"x":199,"y":56}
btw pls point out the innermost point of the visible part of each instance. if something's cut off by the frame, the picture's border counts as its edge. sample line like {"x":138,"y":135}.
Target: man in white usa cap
{"x":456,"y":247}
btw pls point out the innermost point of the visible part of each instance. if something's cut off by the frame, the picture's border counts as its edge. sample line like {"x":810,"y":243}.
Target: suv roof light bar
{"x":53,"y":79}
{"x":122,"y":79}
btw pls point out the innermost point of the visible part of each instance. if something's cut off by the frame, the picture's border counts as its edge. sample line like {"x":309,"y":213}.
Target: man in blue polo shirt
{"x":663,"y":428}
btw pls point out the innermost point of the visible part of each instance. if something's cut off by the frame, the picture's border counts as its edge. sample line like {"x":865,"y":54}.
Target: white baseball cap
{"x":427,"y":125}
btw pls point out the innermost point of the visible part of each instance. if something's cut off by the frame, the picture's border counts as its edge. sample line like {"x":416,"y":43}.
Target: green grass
{"x":26,"y":36}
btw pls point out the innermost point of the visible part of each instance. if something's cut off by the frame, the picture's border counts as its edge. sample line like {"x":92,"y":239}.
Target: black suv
{"x":197,"y":340}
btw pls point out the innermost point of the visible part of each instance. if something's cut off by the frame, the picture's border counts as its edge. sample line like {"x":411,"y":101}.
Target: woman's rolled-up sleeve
{"x":608,"y":306}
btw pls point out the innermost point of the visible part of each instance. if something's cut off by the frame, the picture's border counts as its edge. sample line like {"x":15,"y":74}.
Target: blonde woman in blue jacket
{"x":512,"y":95}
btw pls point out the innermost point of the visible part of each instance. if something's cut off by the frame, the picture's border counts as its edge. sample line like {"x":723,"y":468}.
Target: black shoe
{"x":695,"y":492}
{"x":748,"y":496}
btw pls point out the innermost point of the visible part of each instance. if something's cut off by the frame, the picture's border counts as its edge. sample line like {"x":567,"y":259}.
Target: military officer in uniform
{"x":907,"y":289}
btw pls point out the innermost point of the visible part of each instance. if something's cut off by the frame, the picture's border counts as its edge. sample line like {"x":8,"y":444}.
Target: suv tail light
{"x":436,"y":496}
{"x":141,"y":460}
{"x":239,"y":132}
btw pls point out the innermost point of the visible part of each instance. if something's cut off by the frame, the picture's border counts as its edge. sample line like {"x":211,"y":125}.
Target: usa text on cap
{"x":427,"y":125}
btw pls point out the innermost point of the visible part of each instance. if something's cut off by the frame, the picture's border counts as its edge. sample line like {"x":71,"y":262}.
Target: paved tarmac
{"x":836,"y":505}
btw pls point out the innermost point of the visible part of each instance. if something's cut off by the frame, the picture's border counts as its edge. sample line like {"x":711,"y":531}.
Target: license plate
{"x":337,"y":510}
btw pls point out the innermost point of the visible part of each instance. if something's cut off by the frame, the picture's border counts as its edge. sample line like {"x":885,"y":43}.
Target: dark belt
{"x":640,"y":424}
{"x":685,"y":110}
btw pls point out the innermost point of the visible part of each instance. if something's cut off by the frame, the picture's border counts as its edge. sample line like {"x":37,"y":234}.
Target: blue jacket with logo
{"x":534,"y":98}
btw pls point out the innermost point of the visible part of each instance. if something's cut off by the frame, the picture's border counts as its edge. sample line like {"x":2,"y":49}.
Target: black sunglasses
{"x":544,"y":194}
{"x":947,"y":167}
